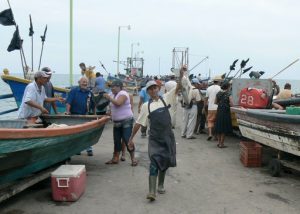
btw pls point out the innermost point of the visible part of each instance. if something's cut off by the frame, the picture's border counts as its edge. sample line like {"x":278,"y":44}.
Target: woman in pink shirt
{"x":122,"y":116}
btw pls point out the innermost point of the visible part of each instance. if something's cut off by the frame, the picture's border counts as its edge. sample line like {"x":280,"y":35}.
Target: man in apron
{"x":162,"y":146}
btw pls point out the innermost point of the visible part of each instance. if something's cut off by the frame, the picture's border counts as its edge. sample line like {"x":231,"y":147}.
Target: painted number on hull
{"x":247,"y":100}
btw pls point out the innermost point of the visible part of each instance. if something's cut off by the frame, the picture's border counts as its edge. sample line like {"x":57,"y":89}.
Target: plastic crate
{"x":293,"y":110}
{"x":250,"y":154}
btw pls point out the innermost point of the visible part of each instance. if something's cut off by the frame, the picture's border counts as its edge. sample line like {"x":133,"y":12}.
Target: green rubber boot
{"x":152,"y":188}
{"x":161,"y":180}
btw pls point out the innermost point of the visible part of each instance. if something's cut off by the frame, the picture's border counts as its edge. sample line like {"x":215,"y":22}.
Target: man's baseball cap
{"x":40,"y":74}
{"x":48,"y":70}
{"x":150,"y":83}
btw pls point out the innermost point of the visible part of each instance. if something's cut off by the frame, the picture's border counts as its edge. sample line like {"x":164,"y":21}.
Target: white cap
{"x":150,"y":83}
{"x":40,"y":74}
{"x":48,"y":70}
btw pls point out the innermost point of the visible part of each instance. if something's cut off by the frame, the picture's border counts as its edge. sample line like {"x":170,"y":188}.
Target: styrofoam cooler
{"x":68,"y":182}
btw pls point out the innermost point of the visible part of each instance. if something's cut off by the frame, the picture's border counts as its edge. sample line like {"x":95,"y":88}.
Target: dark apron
{"x":162,"y":146}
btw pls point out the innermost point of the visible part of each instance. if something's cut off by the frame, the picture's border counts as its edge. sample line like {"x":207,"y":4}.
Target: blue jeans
{"x":122,"y":130}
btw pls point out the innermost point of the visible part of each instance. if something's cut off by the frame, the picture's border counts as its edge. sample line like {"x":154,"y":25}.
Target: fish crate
{"x":250,"y":154}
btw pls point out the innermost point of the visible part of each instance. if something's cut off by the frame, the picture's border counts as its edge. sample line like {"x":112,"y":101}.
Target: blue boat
{"x":18,"y":85}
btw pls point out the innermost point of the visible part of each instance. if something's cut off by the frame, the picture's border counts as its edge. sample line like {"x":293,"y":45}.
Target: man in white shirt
{"x":211,"y":93}
{"x":34,"y":96}
{"x":168,"y":87}
{"x":162,"y":146}
{"x":190,"y":111}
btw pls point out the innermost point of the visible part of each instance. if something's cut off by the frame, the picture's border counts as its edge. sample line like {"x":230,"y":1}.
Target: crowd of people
{"x":156,"y":113}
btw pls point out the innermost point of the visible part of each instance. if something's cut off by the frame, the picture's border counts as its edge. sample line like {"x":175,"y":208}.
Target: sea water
{"x":62,"y":80}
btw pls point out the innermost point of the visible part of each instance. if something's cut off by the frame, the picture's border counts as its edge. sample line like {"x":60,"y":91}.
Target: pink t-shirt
{"x":121,"y":112}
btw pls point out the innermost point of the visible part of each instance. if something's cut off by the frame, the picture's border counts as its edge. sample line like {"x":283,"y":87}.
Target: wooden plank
{"x":10,"y":190}
{"x":291,"y":165}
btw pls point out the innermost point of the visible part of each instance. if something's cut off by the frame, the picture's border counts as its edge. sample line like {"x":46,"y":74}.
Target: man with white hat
{"x":162,"y":146}
{"x":34,"y":98}
{"x":190,"y":111}
{"x":211,"y":93}
{"x":49,"y":89}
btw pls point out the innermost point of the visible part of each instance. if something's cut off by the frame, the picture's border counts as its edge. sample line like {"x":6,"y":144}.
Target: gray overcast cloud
{"x":266,"y":31}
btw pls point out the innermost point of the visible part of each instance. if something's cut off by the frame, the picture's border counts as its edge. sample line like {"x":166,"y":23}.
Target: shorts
{"x":211,"y":118}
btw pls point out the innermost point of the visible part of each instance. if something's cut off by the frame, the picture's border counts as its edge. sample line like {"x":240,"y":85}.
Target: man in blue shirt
{"x":100,"y":82}
{"x":80,"y":101}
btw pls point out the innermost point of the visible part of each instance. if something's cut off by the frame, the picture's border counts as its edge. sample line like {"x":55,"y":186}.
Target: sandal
{"x":134,"y":163}
{"x":112,"y":161}
{"x":123,"y":158}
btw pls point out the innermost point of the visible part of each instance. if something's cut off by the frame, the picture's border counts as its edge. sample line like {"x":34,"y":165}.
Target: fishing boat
{"x":132,"y":85}
{"x":18,"y":85}
{"x":287,"y":102}
{"x":272,"y":128}
{"x":26,"y":149}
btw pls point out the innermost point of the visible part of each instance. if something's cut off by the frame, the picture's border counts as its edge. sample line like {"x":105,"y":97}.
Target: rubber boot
{"x":152,"y":188}
{"x":161,"y":180}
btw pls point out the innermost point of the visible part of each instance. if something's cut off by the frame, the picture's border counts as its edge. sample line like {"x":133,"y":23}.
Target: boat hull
{"x":42,"y":148}
{"x":271,"y":128}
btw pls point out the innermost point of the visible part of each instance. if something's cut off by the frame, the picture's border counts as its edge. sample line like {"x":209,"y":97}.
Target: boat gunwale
{"x":10,"y":133}
{"x":21,"y":80}
{"x":268,"y":114}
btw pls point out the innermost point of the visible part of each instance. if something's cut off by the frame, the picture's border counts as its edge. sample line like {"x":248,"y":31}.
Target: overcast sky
{"x":266,"y":31}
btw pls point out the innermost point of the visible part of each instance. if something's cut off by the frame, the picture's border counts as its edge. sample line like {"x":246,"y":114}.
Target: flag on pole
{"x":7,"y":18}
{"x":16,"y":41}
{"x":43,"y":38}
{"x":31,"y":32}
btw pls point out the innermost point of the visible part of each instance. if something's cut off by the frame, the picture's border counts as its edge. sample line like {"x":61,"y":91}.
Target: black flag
{"x":7,"y":18}
{"x":43,"y":38}
{"x":31,"y":32}
{"x":16,"y":42}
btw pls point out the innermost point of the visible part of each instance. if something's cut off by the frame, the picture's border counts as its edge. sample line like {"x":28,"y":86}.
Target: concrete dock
{"x":206,"y":180}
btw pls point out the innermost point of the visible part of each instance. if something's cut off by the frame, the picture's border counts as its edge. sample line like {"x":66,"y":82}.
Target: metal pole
{"x":198,"y":63}
{"x":41,"y":56}
{"x":118,"y":58}
{"x":31,"y":29}
{"x":131,"y":60}
{"x":32,"y":52}
{"x":71,"y":42}
{"x":187,"y":57}
{"x":285,"y":68}
{"x":23,"y":67}
{"x":159,"y":66}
